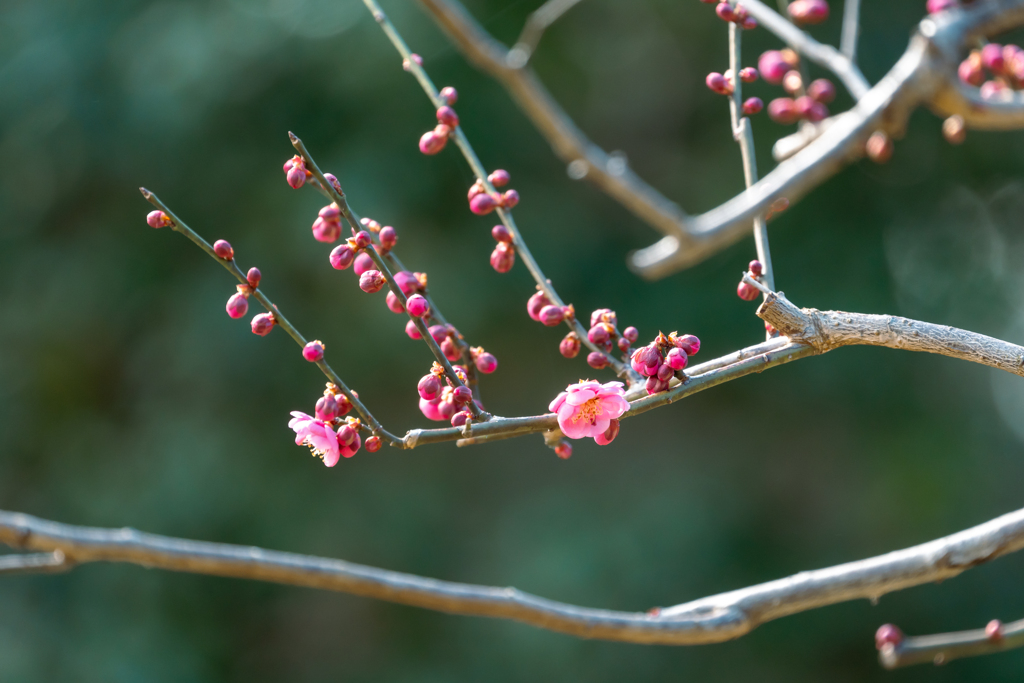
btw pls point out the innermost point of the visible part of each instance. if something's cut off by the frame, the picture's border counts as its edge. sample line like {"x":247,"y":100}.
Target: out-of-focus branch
{"x":35,"y":563}
{"x":851,"y":29}
{"x":943,"y":648}
{"x":709,"y":620}
{"x":536,"y":24}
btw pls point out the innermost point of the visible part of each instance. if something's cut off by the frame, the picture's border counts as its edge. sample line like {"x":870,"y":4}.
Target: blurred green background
{"x":128,"y":397}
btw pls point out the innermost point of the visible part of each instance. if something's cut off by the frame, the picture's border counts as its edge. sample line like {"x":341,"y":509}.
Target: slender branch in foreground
{"x":925,"y":74}
{"x":943,"y":648}
{"x":621,"y":369}
{"x":827,"y":330}
{"x":708,"y":620}
{"x":851,"y":29}
{"x":536,"y":24}
{"x":35,"y":563}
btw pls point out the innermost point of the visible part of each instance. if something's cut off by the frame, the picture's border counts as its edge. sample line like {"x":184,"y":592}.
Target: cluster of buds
{"x":328,"y":434}
{"x":782,"y":67}
{"x":296,"y":172}
{"x":433,"y":141}
{"x":998,"y":70}
{"x":482,"y":202}
{"x":448,"y":339}
{"x":540,"y":308}
{"x":723,"y":84}
{"x":605,"y":335}
{"x":441,"y":400}
{"x":808,"y":11}
{"x":660,"y":360}
{"x":735,"y":14}
{"x":387,"y":238}
{"x":504,"y":255}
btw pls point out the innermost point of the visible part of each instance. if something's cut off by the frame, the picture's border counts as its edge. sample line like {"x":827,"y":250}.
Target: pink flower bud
{"x":597,"y":360}
{"x":325,"y":230}
{"x":808,"y":11}
{"x":934,"y":6}
{"x":538,"y":301}
{"x":756,"y":268}
{"x":462,"y":395}
{"x":503,"y":257}
{"x":347,"y":434}
{"x":793,"y":82}
{"x":331,"y":212}
{"x":746,"y":292}
{"x":609,"y":434}
{"x":442,"y":130}
{"x":631,"y":333}
{"x":432,"y":143}
{"x":342,"y":256}
{"x":449,"y":95}
{"x":623,"y":344}
{"x":392,"y":302}
{"x":344,"y":405}
{"x":773,"y":66}
{"x":822,"y":90}
{"x":991,"y":90}
{"x":461,"y":418}
{"x":655,"y":385}
{"x":564,"y":450}
{"x":665,"y":372}
{"x":501,"y":234}
{"x":296,"y":175}
{"x":482,"y":204}
{"x":887,"y":634}
{"x":783,"y":110}
{"x":438,"y":332}
{"x":970,"y":70}
{"x":429,"y":387}
{"x":992,"y":58}
{"x":954,"y":129}
{"x":810,"y":109}
{"x":499,"y":178}
{"x":329,"y":177}
{"x":363,"y":263}
{"x":448,"y":117}
{"x":371,"y":281}
{"x":373,"y":444}
{"x":263,"y":323}
{"x":598,"y":334}
{"x":238,"y":305}
{"x":475,"y":189}
{"x":676,"y":359}
{"x":450,"y":350}
{"x":363,"y":239}
{"x":725,"y":12}
{"x":416,"y":58}
{"x":388,"y":238}
{"x":749,"y":23}
{"x":570,"y":345}
{"x":879,"y":147}
{"x":752,"y":106}
{"x":326,"y":408}
{"x":646,"y":360}
{"x":158,"y":219}
{"x":313,"y":351}
{"x":418,"y":306}
{"x":253,"y":277}
{"x":717,"y":82}
{"x":222,"y":249}
{"x":485,"y":362}
{"x":509,"y":199}
{"x":552,"y":315}
{"x":412,"y":330}
{"x":689,"y":344}
{"x":748,"y":74}
{"x":994,"y":630}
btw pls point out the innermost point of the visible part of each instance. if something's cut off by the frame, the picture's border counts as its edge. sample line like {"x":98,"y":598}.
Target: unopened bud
{"x":253,"y":277}
{"x":371,"y":281}
{"x":263,"y":323}
{"x":158,"y":219}
{"x":570,"y":345}
{"x":313,"y":351}
{"x":223,"y":249}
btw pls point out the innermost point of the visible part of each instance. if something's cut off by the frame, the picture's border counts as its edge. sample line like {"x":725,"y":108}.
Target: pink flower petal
{"x":578,"y":398}
{"x":557,"y":403}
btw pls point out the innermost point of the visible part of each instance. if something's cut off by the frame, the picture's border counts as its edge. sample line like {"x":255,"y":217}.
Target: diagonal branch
{"x":712,"y":619}
{"x":943,"y":648}
{"x":536,"y":24}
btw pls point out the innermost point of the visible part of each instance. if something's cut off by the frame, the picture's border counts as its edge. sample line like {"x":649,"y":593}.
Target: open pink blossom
{"x":316,"y":434}
{"x":588,"y":408}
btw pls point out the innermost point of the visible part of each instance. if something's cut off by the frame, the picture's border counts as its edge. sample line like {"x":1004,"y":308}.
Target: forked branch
{"x":709,"y":620}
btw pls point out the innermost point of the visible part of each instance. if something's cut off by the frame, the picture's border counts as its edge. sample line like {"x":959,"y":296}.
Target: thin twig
{"x":621,"y":369}
{"x":35,"y":563}
{"x":851,"y":30}
{"x":712,"y":619}
{"x":536,"y":24}
{"x":943,"y":648}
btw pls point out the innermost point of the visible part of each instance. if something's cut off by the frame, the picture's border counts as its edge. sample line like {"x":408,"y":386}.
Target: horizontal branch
{"x":712,"y":619}
{"x":35,"y":563}
{"x":943,"y":648}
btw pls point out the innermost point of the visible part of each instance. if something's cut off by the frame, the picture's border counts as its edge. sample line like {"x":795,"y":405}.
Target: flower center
{"x":588,"y":411}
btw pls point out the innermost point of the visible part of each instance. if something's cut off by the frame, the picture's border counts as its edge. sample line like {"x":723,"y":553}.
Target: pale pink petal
{"x":600,"y":426}
{"x":331,"y":457}
{"x":557,"y":403}
{"x":579,"y":397}
{"x":430,"y":409}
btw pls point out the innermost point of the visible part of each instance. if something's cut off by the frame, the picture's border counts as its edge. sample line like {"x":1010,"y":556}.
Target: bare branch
{"x":712,"y":619}
{"x":943,"y":648}
{"x":536,"y":24}
{"x":851,"y":29}
{"x":36,"y":563}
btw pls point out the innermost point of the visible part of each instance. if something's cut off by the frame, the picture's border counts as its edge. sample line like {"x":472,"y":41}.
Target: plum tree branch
{"x":536,"y":24}
{"x":708,"y":620}
{"x":943,"y":648}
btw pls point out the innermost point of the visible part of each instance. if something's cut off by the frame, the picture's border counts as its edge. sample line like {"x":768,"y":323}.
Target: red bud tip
{"x":313,"y":351}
